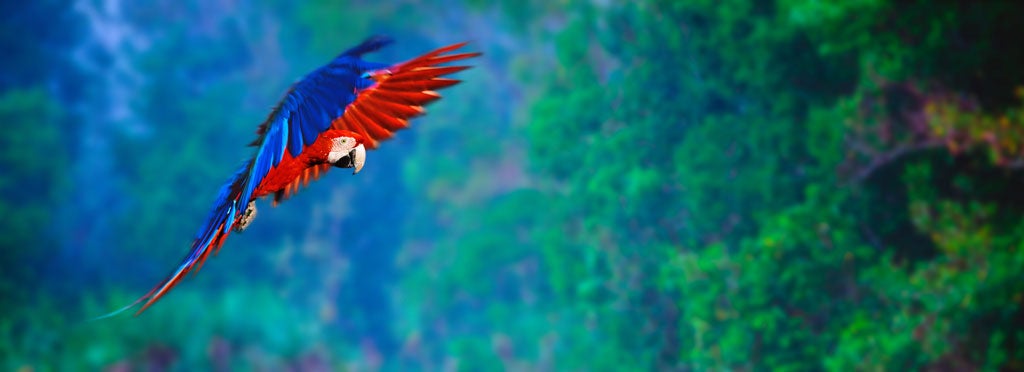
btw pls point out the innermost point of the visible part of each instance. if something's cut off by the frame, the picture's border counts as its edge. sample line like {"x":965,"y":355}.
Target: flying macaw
{"x":327,"y":119}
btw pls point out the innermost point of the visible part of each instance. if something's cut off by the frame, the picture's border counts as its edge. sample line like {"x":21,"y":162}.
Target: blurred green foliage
{"x":703,"y":199}
{"x":667,"y":185}
{"x":32,"y":156}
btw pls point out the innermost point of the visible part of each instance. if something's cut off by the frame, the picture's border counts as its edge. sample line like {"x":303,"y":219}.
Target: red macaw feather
{"x":350,"y":97}
{"x":399,"y":94}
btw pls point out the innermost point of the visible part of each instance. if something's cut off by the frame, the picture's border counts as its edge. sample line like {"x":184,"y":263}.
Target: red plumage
{"x":384,"y":101}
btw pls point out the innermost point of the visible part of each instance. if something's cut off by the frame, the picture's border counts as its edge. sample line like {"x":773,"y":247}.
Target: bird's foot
{"x":246,"y":218}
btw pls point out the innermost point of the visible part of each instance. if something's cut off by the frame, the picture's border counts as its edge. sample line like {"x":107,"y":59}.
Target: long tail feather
{"x":209,"y":238}
{"x":381,"y":106}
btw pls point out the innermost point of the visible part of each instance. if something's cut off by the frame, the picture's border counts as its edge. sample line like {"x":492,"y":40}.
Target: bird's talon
{"x":246,"y":218}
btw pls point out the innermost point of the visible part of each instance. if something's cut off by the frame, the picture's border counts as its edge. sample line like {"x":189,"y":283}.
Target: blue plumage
{"x":302,"y":115}
{"x":306,"y":111}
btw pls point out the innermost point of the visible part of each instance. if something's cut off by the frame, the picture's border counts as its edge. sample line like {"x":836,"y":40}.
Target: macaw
{"x":329,"y":118}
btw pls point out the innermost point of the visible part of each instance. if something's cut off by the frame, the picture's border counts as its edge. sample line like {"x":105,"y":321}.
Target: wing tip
{"x":370,"y":44}
{"x":439,"y":56}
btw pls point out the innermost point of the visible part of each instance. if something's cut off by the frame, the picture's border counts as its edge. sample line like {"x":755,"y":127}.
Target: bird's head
{"x":347,"y":151}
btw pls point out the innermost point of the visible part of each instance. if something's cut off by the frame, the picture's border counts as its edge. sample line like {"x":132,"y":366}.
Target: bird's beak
{"x":358,"y":158}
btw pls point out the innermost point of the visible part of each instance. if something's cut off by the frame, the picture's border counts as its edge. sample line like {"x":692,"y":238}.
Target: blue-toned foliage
{"x":646,"y":185}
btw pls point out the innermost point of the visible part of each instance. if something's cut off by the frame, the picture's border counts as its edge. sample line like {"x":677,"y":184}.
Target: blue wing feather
{"x":370,"y":44}
{"x":224,"y":210}
{"x":225,"y":207}
{"x":310,"y":129}
{"x":308,"y":109}
{"x":305,"y":111}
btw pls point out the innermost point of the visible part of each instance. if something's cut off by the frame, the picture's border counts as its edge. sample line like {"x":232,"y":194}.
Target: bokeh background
{"x":617,"y":185}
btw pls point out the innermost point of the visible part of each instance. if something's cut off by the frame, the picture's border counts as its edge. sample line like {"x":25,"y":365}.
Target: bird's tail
{"x":210,"y":238}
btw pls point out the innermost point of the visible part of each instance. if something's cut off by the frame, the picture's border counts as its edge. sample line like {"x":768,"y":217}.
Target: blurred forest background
{"x":618,"y":185}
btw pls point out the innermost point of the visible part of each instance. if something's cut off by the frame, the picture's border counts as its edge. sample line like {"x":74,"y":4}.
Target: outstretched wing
{"x":392,"y":95}
{"x":308,"y":109}
{"x":399,"y":93}
{"x":344,"y":94}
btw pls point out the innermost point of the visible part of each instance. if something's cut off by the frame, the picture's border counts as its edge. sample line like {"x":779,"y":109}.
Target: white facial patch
{"x":340,"y":147}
